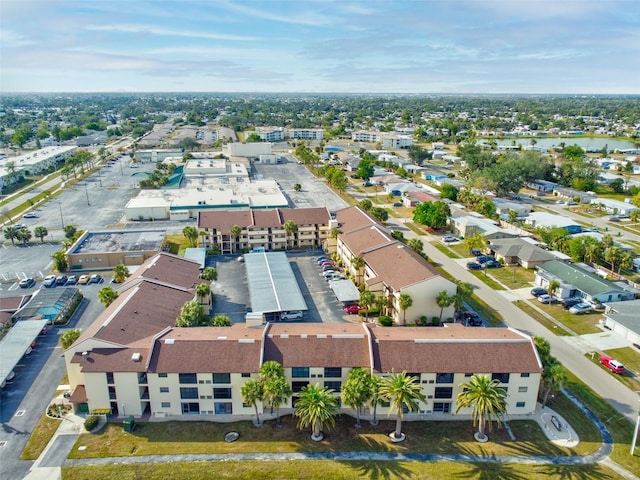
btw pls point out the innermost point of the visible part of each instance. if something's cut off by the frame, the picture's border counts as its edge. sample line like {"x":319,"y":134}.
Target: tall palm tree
{"x":376,"y":399}
{"x":191,"y":234}
{"x":253,"y":392}
{"x":416,"y":244}
{"x":235,"y":232}
{"x":316,"y":407}
{"x":401,"y":390}
{"x":120,"y":273}
{"x":358,"y":264}
{"x":271,"y":369}
{"x":203,"y":292}
{"x":290,"y":229}
{"x":486,"y":398}
{"x":106,"y":296}
{"x":367,"y":298}
{"x":443,"y":300}
{"x":357,"y":391}
{"x":276,"y":392}
{"x":404,"y":302}
{"x":554,"y":377}
{"x":553,"y":287}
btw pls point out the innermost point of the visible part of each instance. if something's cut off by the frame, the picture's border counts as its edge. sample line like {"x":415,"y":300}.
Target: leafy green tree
{"x":418,"y":154}
{"x":60,"y":262}
{"x":107,"y":295}
{"x":316,"y":407}
{"x":380,"y":214}
{"x":69,"y":337}
{"x":366,"y":204}
{"x":365,"y":170}
{"x":120,"y":273}
{"x":404,"y":302}
{"x":477,"y":240}
{"x":401,"y":390}
{"x":449,"y":192}
{"x":41,"y":232}
{"x":210,"y":273}
{"x":191,"y":233}
{"x":553,"y":287}
{"x":70,"y":231}
{"x":432,"y":214}
{"x":221,"y":320}
{"x":254,"y":138}
{"x":443,"y":300}
{"x":486,"y":399}
{"x":464,"y":291}
{"x":253,"y":392}
{"x":11,"y":233}
{"x":191,"y":315}
{"x":297,"y":187}
{"x":357,"y":391}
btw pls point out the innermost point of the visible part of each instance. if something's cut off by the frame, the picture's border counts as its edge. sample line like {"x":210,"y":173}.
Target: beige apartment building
{"x":133,"y":361}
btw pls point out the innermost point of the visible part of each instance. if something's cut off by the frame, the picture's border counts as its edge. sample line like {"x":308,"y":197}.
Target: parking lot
{"x":232,"y":293}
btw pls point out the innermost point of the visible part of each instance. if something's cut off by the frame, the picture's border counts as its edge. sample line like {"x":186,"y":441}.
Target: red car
{"x":612,"y":364}
{"x":352,"y":309}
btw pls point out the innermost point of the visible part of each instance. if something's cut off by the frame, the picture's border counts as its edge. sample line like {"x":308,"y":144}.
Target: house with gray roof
{"x":623,"y":318}
{"x":518,"y":251}
{"x":577,"y":281}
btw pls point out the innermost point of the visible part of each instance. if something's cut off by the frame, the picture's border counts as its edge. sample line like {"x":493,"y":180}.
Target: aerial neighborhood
{"x":191,"y":262}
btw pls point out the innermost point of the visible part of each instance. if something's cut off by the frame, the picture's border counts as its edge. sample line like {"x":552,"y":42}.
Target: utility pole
{"x":61,"y":219}
{"x":635,"y":433}
{"x":86,"y":191}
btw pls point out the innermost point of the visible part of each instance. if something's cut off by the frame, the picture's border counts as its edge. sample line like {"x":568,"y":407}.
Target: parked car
{"x":580,"y":309}
{"x":321,"y":257}
{"x":95,"y":278}
{"x":19,"y":225}
{"x":328,"y":273}
{"x":546,"y":298}
{"x":333,"y":276}
{"x":30,"y":215}
{"x":397,"y":204}
{"x":291,"y":316}
{"x":83,"y":280}
{"x":26,"y":283}
{"x":485,"y":258}
{"x":328,"y":262}
{"x":474,"y":266}
{"x":492,"y":264}
{"x":476,"y":252}
{"x":612,"y":364}
{"x":61,"y":280}
{"x":570,"y":302}
{"x":473,"y":319}
{"x":536,"y":292}
{"x":449,"y":239}
{"x":49,"y":281}
{"x":352,"y":309}
{"x":72,"y":280}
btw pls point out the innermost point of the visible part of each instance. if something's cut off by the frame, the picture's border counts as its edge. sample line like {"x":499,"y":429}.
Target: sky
{"x":343,"y":46}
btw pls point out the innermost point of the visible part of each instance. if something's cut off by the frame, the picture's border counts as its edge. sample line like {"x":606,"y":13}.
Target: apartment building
{"x":264,"y":229}
{"x":267,"y":134}
{"x":305,"y":133}
{"x":388,"y":140}
{"x":132,"y":361}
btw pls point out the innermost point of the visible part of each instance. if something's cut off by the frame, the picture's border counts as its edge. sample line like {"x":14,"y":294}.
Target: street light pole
{"x":86,"y":191}
{"x":61,"y":219}
{"x":635,"y":433}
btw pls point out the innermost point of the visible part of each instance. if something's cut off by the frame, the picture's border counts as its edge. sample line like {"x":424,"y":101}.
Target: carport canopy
{"x":272,"y":284}
{"x":16,"y":343}
{"x":345,"y":291}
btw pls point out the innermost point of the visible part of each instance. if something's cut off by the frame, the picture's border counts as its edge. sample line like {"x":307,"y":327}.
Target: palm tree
{"x":367,"y":298}
{"x":271,"y":369}
{"x":401,"y":390}
{"x":41,"y":232}
{"x":612,"y":255}
{"x":209,"y":273}
{"x":120,"y":273}
{"x":486,"y":398}
{"x":554,"y":377}
{"x":277,"y":391}
{"x":376,"y":399}
{"x":11,"y":233}
{"x":290,"y":228}
{"x":235,"y":232}
{"x":553,"y":287}
{"x":358,"y":263}
{"x":416,"y":244}
{"x":107,"y":295}
{"x":191,"y":234}
{"x":464,"y":291}
{"x":357,"y":391}
{"x":335,"y":231}
{"x":316,"y":407}
{"x":625,"y":261}
{"x":203,"y":292}
{"x":443,"y":300}
{"x":253,"y":392}
{"x":404,"y":302}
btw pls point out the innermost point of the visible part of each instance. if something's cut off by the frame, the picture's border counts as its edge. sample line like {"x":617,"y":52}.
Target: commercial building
{"x":133,"y":361}
{"x":38,"y":162}
{"x":264,"y":229}
{"x":250,"y":150}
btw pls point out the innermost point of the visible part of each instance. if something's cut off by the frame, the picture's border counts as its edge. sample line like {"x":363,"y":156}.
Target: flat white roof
{"x":15,"y":344}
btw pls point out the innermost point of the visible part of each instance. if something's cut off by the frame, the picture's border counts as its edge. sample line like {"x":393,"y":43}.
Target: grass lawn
{"x":40,"y":437}
{"x":628,"y":356}
{"x":581,"y":324}
{"x":422,"y":437}
{"x":444,"y":249}
{"x":523,"y":276}
{"x":623,"y":355}
{"x":325,"y":469}
{"x":540,"y":318}
{"x":481,"y":275}
{"x":177,"y":244}
{"x":460,"y":249}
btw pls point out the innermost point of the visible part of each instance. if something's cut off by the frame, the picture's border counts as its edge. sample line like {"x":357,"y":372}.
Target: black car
{"x":474,"y":266}
{"x":536,"y":292}
{"x":492,"y":264}
{"x":476,"y":252}
{"x":61,"y":280}
{"x":570,"y":302}
{"x":485,"y":258}
{"x":472,"y":319}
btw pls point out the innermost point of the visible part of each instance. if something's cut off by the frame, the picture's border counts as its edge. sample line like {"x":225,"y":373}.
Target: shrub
{"x":385,"y":321}
{"x":423,"y":320}
{"x":435,"y":321}
{"x":91,"y":422}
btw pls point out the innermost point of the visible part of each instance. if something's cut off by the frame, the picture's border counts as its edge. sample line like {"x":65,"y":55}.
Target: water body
{"x":586,"y":143}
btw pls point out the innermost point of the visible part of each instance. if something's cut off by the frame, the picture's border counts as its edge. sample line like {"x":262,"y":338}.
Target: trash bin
{"x":129,"y":424}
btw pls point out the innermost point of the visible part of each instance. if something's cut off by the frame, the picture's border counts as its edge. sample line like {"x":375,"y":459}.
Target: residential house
{"x":552,"y":220}
{"x":616,"y":207}
{"x":503,"y":206}
{"x":468,"y":225}
{"x":542,"y":186}
{"x":519,"y":251}
{"x":580,"y":281}
{"x":416,"y":197}
{"x":570,"y":194}
{"x":623,"y":319}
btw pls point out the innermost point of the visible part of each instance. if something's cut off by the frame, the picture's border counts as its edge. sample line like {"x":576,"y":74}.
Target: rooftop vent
{"x":136,"y":357}
{"x":170,"y":341}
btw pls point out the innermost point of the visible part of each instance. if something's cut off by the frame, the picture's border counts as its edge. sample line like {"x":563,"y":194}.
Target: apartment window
{"x":524,"y":375}
{"x":523,"y":389}
{"x":467,"y":375}
{"x":333,"y":372}
{"x":188,"y":392}
{"x":519,"y":404}
{"x":221,"y":393}
{"x":414,"y":375}
{"x":333,"y":385}
{"x":191,"y":408}
{"x":221,"y":378}
{"x":165,"y":404}
{"x":162,"y":375}
{"x":164,"y":389}
{"x":444,"y":377}
{"x":110,"y":378}
{"x":300,"y":372}
{"x":223,"y":408}
{"x":112,"y":393}
{"x":441,"y":407}
{"x":502,"y":377}
{"x":188,"y":378}
{"x":443,"y":392}
{"x":246,"y":375}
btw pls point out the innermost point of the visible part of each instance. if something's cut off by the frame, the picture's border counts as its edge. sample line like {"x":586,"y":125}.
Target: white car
{"x":580,"y":308}
{"x":291,"y":316}
{"x":49,"y":281}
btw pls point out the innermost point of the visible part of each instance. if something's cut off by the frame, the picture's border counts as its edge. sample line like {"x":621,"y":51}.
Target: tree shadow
{"x":381,"y":469}
{"x":486,"y":466}
{"x":577,"y":472}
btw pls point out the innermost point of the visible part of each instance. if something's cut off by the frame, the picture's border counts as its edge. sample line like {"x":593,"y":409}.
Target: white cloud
{"x":168,"y":32}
